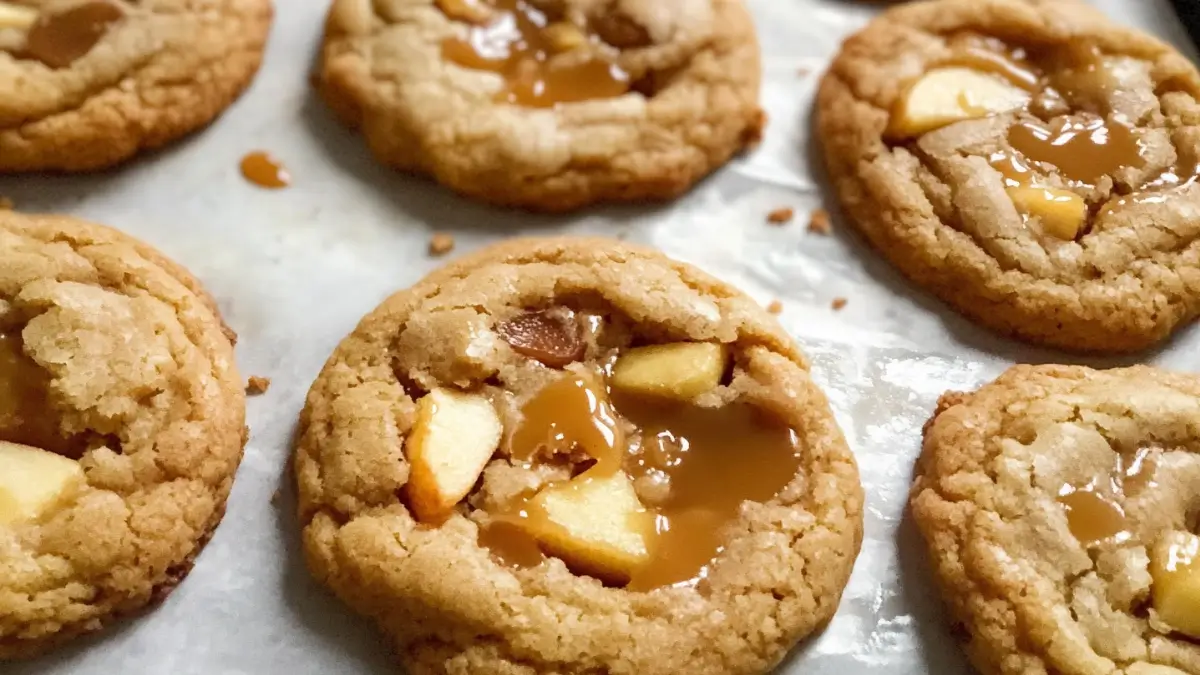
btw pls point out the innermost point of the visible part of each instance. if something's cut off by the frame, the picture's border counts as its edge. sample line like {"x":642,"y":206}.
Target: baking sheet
{"x":294,"y":270}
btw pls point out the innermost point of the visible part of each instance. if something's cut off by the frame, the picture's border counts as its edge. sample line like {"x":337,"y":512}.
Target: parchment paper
{"x":294,"y":270}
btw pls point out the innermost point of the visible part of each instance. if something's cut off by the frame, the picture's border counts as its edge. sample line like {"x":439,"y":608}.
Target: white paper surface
{"x":294,"y":270}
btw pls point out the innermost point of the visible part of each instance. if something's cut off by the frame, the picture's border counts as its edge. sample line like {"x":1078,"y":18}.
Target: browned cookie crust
{"x":938,"y":209}
{"x":142,"y":388}
{"x":696,"y":72}
{"x":166,"y":69}
{"x":1002,"y":473}
{"x":449,"y":605}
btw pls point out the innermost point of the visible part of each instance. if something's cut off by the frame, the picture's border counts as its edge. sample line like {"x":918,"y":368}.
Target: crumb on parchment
{"x":818,"y":222}
{"x":776,"y":307}
{"x":781,"y":216}
{"x":441,"y":243}
{"x":257,"y":385}
{"x":839,"y":303}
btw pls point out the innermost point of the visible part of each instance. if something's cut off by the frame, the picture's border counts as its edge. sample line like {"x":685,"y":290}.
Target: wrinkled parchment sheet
{"x":295,"y":269}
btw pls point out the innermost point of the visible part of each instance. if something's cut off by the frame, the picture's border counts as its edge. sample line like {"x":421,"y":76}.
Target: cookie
{"x":1060,"y":506}
{"x":121,"y":425}
{"x":548,"y":105}
{"x":574,"y":455}
{"x":90,"y":83}
{"x":1030,"y":163}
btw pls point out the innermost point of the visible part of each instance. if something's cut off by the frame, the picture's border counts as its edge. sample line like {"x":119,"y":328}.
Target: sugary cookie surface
{"x":547,"y":104}
{"x":1031,"y":163}
{"x":577,"y":438}
{"x":1060,"y":506}
{"x":90,"y":82}
{"x":121,"y":425}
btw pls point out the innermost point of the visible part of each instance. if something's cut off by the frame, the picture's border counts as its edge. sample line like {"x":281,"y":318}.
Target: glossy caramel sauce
{"x":1095,"y":511}
{"x":1082,"y":151}
{"x":705,"y":462}
{"x":25,"y":412}
{"x":520,"y":43}
{"x":713,"y":459}
{"x":265,"y":171}
{"x":572,"y":412}
{"x":60,"y":39}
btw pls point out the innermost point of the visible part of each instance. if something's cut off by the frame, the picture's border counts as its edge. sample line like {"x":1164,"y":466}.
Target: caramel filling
{"x":24,"y":402}
{"x":543,"y":63}
{"x":692,"y":468}
{"x":60,"y":39}
{"x":265,"y":171}
{"x":1095,"y":511}
{"x":1083,"y":151}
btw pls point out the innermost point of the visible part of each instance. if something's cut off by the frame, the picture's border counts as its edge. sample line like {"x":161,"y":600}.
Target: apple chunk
{"x":1175,"y":568}
{"x":595,"y":524}
{"x":33,"y":481}
{"x":17,"y":16}
{"x":454,"y":437}
{"x":681,"y":370}
{"x":947,"y":95}
{"x":1061,"y":212}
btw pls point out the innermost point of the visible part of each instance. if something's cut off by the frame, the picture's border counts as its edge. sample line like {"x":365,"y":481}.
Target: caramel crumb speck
{"x":781,"y":216}
{"x":776,"y":307}
{"x":258,"y":385}
{"x":441,"y":244}
{"x":839,"y":303}
{"x":818,"y":222}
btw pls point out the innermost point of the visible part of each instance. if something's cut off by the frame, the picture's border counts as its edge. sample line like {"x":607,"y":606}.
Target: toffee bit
{"x":838,"y":303}
{"x":776,"y":307}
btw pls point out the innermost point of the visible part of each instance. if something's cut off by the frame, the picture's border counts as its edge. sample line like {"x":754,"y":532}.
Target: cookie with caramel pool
{"x":1059,"y":508}
{"x":1033,"y":164}
{"x":122,"y":422}
{"x":575,"y":455}
{"x":89,"y":83}
{"x":548,"y":105}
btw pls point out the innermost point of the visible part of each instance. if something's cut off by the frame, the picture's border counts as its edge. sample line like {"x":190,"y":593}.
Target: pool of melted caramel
{"x":518,"y":42}
{"x":711,"y":459}
{"x":1096,"y":511}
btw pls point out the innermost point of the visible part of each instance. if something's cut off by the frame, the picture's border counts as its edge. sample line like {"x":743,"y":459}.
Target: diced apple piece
{"x":1175,"y":568}
{"x":682,"y":370}
{"x":33,"y":481}
{"x":454,"y":437}
{"x":947,"y":95}
{"x":17,"y":16}
{"x":595,"y":524}
{"x":1061,"y":212}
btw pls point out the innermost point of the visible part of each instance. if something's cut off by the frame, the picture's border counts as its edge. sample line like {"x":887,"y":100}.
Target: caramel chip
{"x":552,"y":337}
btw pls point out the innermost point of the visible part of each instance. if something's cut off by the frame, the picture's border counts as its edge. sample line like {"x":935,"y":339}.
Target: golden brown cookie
{"x":121,"y":425}
{"x":1060,"y":506}
{"x":611,"y":101}
{"x":1032,"y":164}
{"x":574,"y":455}
{"x":89,"y":83}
